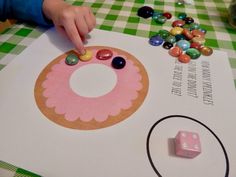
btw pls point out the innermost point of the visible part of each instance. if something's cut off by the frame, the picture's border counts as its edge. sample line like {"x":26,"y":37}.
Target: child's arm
{"x":26,"y":10}
{"x":76,"y":22}
{"x":73,"y":21}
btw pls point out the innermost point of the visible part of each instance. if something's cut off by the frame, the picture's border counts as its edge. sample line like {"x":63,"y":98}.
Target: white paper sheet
{"x":202,"y":90}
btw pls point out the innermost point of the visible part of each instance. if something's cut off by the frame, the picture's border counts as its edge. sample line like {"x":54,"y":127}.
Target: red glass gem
{"x":167,"y":15}
{"x":104,"y":54}
{"x":195,"y":45}
{"x":178,"y":23}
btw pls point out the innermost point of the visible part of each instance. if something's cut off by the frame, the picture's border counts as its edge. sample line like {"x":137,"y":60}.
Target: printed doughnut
{"x":59,"y":103}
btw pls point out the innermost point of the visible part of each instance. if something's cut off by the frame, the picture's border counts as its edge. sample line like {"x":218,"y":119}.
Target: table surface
{"x":121,"y":16}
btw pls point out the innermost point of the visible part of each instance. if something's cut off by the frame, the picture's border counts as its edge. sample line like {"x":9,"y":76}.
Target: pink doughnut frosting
{"x":65,"y":101}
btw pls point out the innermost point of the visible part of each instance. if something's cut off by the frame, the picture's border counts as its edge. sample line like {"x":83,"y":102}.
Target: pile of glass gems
{"x":185,"y":40}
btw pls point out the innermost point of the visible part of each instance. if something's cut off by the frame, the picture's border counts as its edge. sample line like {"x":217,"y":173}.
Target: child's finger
{"x":74,"y":36}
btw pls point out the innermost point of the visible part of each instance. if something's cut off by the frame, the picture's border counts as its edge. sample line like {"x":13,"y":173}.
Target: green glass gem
{"x":194,"y":26}
{"x":161,"y":20}
{"x":163,"y":33}
{"x":171,"y":39}
{"x":72,"y":59}
{"x":182,"y":16}
{"x":180,"y":3}
{"x":187,"y":26}
{"x":193,"y":53}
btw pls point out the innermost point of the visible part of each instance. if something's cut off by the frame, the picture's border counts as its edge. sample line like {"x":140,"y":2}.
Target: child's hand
{"x":73,"y":21}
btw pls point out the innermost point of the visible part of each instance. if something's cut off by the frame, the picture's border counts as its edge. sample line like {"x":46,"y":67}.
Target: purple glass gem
{"x":145,"y":12}
{"x":156,"y":40}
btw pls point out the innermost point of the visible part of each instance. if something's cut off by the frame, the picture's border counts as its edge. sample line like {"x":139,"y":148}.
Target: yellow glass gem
{"x":176,"y":30}
{"x":199,"y":40}
{"x":87,"y":56}
{"x":207,"y":51}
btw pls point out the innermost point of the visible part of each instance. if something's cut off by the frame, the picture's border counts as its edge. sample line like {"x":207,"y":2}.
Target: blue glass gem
{"x":145,"y":12}
{"x":156,"y":40}
{"x":203,"y":30}
{"x":118,"y":62}
{"x":183,"y":44}
{"x":156,"y":15}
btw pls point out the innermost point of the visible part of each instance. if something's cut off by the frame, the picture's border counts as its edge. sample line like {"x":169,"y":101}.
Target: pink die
{"x":187,"y":144}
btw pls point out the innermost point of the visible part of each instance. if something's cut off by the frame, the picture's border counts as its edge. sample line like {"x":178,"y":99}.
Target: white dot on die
{"x":183,"y":134}
{"x":184,"y":145}
{"x":196,"y":146}
{"x":194,"y":136}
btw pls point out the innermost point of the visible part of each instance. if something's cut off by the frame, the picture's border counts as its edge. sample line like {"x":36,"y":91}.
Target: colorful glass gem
{"x":194,"y":26}
{"x":193,"y":53}
{"x":156,"y":15}
{"x":183,"y":44}
{"x":176,"y":30}
{"x":118,"y":62}
{"x":195,"y":45}
{"x":187,"y":34}
{"x":156,"y":40}
{"x":182,"y":15}
{"x":179,"y":37}
{"x":189,"y":20}
{"x":175,"y":51}
{"x":104,"y":54}
{"x":198,"y":33}
{"x":163,"y":33}
{"x":180,"y":3}
{"x":186,"y":26}
{"x":170,"y":39}
{"x":167,"y":45}
{"x":184,"y":58}
{"x":203,"y":30}
{"x":87,"y":56}
{"x":71,"y":59}
{"x":179,"y":23}
{"x":161,"y":20}
{"x":199,"y":40}
{"x":207,"y":51}
{"x":167,"y":15}
{"x":145,"y":12}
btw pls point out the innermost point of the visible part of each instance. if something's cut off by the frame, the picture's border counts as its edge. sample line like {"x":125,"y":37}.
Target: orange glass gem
{"x":198,"y":33}
{"x":207,"y":51}
{"x":187,"y":34}
{"x":199,"y":40}
{"x":175,"y":51}
{"x":184,"y":58}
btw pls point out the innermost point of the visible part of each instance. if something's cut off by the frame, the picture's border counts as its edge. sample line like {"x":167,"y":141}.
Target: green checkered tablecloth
{"x":121,"y":16}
